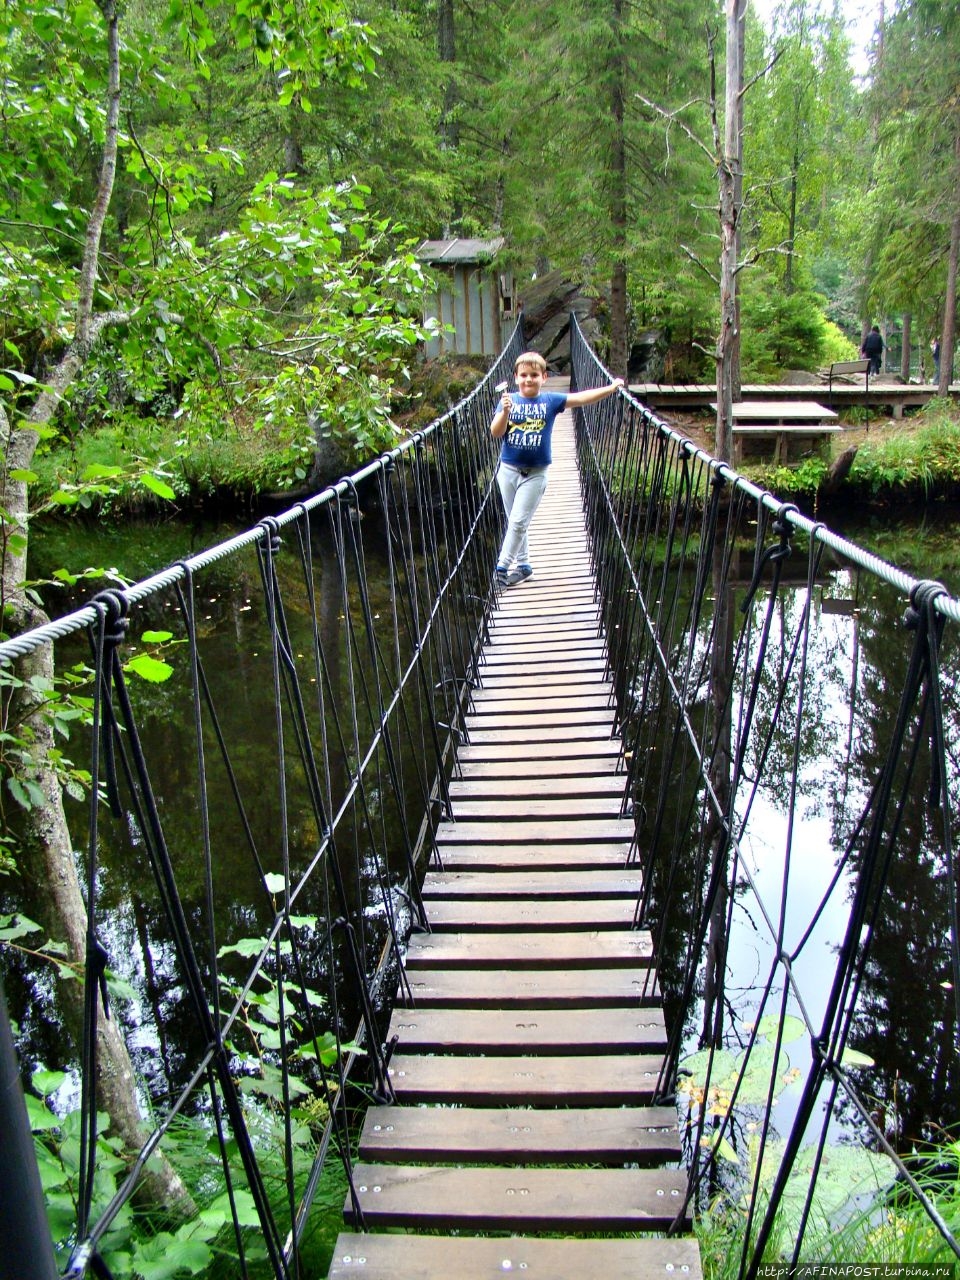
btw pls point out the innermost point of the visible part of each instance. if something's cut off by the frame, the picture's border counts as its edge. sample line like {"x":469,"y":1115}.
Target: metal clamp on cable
{"x":773,"y":555}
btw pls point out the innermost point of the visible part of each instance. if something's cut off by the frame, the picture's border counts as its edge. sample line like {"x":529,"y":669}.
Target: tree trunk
{"x":48,"y":865}
{"x":905,"y":348}
{"x":791,"y":226}
{"x":619,"y":342}
{"x":46,"y":850}
{"x":447,"y":45}
{"x":736,"y":388}
{"x":948,"y":339}
{"x":720,"y":771}
{"x":728,"y":179}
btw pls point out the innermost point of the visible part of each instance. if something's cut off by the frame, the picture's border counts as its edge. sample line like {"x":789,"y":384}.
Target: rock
{"x":547,"y":303}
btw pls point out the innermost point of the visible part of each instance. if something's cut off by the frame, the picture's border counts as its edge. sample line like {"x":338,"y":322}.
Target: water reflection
{"x":855,"y":667}
{"x":805,"y":836}
{"x":274,"y":788}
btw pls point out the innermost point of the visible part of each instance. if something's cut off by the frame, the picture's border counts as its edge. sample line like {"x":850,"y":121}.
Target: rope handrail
{"x":718,"y":693}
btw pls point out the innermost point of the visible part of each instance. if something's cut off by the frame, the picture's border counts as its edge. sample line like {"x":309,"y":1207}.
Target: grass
{"x":916,"y":456}
{"x":923,"y":450}
{"x":895,"y":1230}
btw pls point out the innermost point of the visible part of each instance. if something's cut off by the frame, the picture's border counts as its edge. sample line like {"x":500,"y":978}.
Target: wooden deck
{"x":882,"y":394}
{"x":527,"y":1062}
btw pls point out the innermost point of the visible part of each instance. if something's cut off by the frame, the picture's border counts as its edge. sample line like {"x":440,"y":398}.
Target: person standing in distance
{"x":872,"y":349}
{"x":524,"y":421}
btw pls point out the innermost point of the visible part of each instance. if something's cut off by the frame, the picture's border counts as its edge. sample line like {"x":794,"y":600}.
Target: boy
{"x":525,"y":421}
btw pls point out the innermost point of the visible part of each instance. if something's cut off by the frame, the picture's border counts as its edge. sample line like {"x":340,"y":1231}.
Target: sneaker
{"x":500,"y":576}
{"x":520,"y":574}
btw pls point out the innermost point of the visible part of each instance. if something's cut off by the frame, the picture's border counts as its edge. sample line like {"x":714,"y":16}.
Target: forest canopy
{"x":223,"y":204}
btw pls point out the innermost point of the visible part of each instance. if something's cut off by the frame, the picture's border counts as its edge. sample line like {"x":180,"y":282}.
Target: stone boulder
{"x":547,"y":303}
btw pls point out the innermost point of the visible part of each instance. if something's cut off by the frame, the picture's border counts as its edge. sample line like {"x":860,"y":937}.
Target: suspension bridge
{"x":476,"y":977}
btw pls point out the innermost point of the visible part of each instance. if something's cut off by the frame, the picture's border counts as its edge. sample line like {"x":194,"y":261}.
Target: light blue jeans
{"x":521,"y":494}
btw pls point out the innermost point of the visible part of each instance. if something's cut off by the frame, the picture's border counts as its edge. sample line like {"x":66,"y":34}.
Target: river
{"x":906,"y":998}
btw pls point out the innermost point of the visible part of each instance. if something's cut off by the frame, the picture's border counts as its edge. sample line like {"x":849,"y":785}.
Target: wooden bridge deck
{"x":527,"y":1059}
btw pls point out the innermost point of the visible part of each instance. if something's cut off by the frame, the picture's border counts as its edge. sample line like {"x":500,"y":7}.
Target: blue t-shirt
{"x":529,"y":428}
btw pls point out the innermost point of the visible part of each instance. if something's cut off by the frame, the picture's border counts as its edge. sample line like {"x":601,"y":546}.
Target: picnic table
{"x":796,"y":427}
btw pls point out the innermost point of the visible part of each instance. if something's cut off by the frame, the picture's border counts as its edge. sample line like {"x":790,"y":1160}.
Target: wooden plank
{"x":537,"y":830}
{"x":524,"y":1031}
{"x":432,"y":1197}
{"x":508,"y":674}
{"x":531,"y":721}
{"x":514,"y":681}
{"x":480,"y":785}
{"x":518,"y":642}
{"x":577,"y":695}
{"x":580,"y":619}
{"x":544,"y":735}
{"x":534,"y":884}
{"x":556,"y":746}
{"x":575,"y":771}
{"x":530,"y":623}
{"x":811,"y":430}
{"x":398,"y":1257}
{"x":532,"y":989}
{"x":501,"y":661}
{"x":521,"y":858}
{"x":528,"y":914}
{"x":514,"y":1135}
{"x":584,"y":950}
{"x":780,"y":411}
{"x":488,"y":1081}
{"x":510,"y":809}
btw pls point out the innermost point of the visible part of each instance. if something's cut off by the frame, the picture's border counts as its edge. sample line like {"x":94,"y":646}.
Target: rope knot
{"x":922,"y":595}
{"x":782,"y":526}
{"x":116,"y":622}
{"x":273,"y":542}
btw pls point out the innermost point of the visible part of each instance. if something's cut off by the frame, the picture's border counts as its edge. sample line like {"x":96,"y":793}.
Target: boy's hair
{"x":531,"y":357}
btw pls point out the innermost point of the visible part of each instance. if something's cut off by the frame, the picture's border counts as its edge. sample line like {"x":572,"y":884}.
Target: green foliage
{"x":15,"y":929}
{"x":780,"y":331}
{"x":856,"y":1214}
{"x":58,"y":703}
{"x":141,"y":1243}
{"x":836,"y":345}
{"x":850,"y":1181}
{"x":804,"y":478}
{"x":256,"y":1039}
{"x":924,"y":451}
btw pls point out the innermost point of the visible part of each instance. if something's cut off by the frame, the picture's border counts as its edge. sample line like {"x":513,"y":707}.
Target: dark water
{"x":236,"y":655}
{"x":858,"y":655}
{"x":905,"y":1020}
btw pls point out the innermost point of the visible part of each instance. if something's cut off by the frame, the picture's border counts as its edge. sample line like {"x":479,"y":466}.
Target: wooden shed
{"x":473,"y":297}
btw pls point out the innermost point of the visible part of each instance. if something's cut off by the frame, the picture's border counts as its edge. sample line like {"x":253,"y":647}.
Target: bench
{"x":846,"y":369}
{"x":795,"y":442}
{"x":797,"y":428}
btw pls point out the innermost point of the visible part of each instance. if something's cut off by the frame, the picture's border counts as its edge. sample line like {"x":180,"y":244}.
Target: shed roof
{"x":459,"y":250}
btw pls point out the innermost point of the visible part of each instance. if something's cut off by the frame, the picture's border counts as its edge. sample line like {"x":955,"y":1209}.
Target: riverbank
{"x":886,"y":461}
{"x":892,"y":461}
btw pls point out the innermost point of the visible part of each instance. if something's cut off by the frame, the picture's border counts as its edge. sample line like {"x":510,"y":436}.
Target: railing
{"x":284,"y":904}
{"x":792,"y":741}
